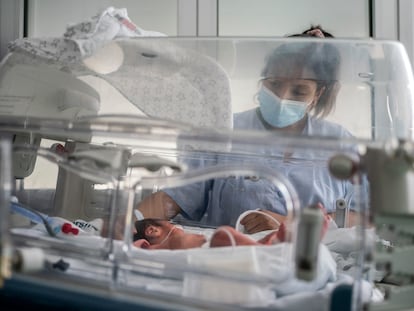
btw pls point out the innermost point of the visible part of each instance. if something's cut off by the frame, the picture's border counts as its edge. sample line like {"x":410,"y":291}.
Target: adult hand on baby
{"x":261,"y":220}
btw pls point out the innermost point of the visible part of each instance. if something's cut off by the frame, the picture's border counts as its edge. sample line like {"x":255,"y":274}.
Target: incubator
{"x":87,"y":142}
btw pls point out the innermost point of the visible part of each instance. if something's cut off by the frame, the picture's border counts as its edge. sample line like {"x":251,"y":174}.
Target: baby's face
{"x":171,"y":236}
{"x":163,"y":233}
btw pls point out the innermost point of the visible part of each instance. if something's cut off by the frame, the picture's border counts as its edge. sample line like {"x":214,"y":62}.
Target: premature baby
{"x":153,"y":233}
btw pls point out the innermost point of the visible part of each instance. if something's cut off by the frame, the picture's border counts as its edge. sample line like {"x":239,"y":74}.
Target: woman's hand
{"x":158,"y":205}
{"x":261,"y":220}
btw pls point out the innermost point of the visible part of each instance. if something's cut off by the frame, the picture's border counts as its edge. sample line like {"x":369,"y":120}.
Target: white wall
{"x":50,"y":17}
{"x":348,"y":18}
{"x":11,"y":23}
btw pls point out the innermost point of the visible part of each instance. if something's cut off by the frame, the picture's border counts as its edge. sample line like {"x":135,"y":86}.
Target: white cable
{"x":168,"y":235}
{"x":240,"y":227}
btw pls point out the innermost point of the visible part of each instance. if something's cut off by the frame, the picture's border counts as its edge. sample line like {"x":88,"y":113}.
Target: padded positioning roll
{"x":30,"y":259}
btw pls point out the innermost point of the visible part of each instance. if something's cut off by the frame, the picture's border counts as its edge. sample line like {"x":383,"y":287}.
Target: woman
{"x":298,"y":89}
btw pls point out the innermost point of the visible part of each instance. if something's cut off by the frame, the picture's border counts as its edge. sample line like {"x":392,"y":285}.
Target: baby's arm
{"x":142,"y":243}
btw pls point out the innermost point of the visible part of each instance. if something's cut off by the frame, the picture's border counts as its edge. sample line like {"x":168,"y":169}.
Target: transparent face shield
{"x":272,"y":149}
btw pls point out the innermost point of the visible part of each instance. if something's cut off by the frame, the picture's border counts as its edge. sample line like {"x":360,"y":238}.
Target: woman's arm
{"x":159,"y":205}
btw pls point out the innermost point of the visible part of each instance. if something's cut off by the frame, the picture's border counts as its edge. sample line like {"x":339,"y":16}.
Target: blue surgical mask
{"x":279,"y":112}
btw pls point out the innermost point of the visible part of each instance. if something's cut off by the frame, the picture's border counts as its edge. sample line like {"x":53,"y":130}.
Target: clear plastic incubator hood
{"x":198,"y":173}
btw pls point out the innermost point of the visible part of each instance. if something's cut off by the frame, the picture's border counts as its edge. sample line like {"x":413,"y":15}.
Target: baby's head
{"x":151,"y":229}
{"x":162,"y":234}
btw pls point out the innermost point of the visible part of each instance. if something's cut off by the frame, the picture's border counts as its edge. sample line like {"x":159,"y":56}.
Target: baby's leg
{"x":228,"y":236}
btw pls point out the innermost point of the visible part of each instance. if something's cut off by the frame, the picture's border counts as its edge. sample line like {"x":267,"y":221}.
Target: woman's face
{"x":293,"y":81}
{"x":287,"y":96}
{"x":303,"y":90}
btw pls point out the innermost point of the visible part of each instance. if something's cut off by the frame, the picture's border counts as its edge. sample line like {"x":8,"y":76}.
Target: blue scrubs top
{"x":222,"y":200}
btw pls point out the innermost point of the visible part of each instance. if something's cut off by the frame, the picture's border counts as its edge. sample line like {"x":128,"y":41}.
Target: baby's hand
{"x":142,"y":243}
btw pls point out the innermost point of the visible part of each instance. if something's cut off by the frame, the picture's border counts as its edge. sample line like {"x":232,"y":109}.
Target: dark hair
{"x":325,"y":33}
{"x":142,"y":225}
{"x":306,"y":32}
{"x":321,"y":58}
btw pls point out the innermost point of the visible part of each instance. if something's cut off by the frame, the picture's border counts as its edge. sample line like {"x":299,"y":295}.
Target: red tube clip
{"x":67,"y":229}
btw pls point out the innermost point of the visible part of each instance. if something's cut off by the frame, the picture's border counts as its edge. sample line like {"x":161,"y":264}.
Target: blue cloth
{"x":222,"y":200}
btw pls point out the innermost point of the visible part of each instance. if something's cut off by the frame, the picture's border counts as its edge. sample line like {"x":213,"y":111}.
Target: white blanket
{"x":273,"y":264}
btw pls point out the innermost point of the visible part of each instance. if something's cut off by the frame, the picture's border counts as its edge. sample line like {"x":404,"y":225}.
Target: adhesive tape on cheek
{"x":239,"y":226}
